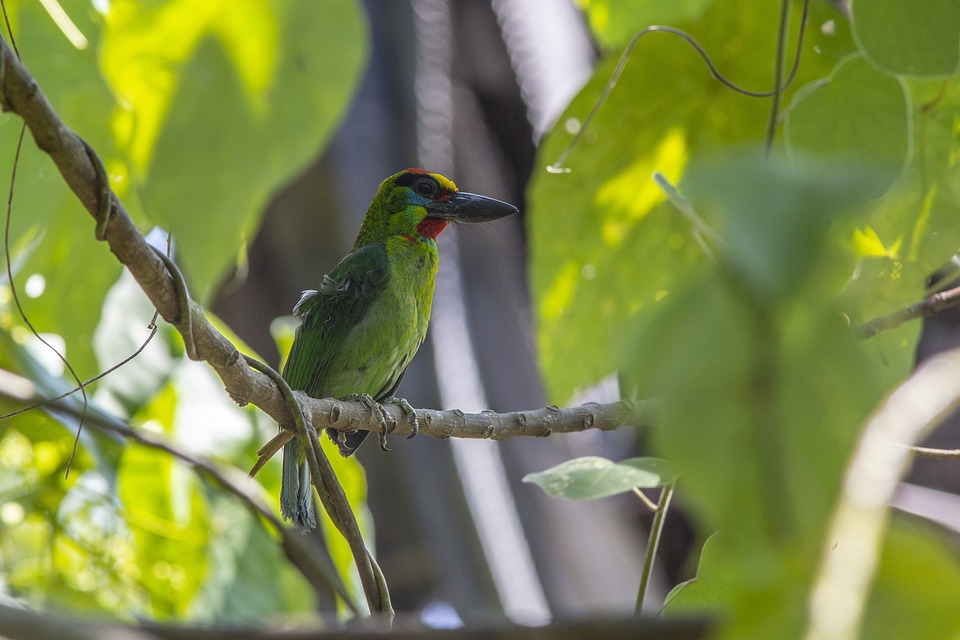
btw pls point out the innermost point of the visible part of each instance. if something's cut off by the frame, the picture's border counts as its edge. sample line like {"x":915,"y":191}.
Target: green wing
{"x":328,"y":315}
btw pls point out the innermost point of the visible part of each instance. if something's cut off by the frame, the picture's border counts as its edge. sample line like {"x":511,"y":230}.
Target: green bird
{"x":362,"y":327}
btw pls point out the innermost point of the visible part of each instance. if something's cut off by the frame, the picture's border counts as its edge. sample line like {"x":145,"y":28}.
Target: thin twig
{"x":648,"y":503}
{"x":656,"y":532}
{"x":941,"y":454}
{"x":931,"y":305}
{"x":777,"y":74}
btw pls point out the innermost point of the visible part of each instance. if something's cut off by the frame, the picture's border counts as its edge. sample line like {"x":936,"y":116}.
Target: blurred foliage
{"x":200,"y":110}
{"x":734,"y":308}
{"x":741,"y":329}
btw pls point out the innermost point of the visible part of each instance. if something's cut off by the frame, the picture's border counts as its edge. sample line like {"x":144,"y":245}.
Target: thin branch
{"x":940,"y":454}
{"x":931,"y":305}
{"x":778,"y":72}
{"x":333,"y":498}
{"x":653,"y":542}
{"x":487,"y":425}
{"x":22,"y":624}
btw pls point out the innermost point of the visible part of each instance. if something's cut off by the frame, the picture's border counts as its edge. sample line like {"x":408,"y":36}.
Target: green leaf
{"x":912,"y":38}
{"x":168,"y":514}
{"x":914,"y":592}
{"x":123,"y":329}
{"x":605,"y":246}
{"x":773,"y":215}
{"x":761,"y":386}
{"x":592,"y":477}
{"x":614,"y":22}
{"x":244,"y":558}
{"x":43,"y":207}
{"x":911,"y":232}
{"x":226,"y":101}
{"x":857,"y":115}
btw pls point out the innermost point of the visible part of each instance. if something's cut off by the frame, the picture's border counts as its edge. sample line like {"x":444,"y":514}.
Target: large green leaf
{"x":75,"y":269}
{"x":913,"y":38}
{"x":858,"y":114}
{"x":772,"y":215}
{"x":605,"y":246}
{"x":761,"y":386}
{"x":225,"y":100}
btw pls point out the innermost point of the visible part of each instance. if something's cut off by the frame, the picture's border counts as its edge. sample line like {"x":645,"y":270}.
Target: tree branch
{"x":23,"y":624}
{"x":927,"y":307}
{"x":20,"y":94}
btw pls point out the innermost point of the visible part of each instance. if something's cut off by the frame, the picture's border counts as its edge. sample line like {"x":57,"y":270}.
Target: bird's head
{"x":418,"y":202}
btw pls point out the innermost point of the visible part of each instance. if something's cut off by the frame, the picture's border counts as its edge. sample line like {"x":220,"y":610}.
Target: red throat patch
{"x":431,"y":227}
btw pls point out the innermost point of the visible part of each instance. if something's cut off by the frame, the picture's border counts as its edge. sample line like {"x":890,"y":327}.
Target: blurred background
{"x":249,"y":136}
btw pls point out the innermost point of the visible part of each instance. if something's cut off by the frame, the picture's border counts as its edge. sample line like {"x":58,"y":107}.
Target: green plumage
{"x":364,"y":324}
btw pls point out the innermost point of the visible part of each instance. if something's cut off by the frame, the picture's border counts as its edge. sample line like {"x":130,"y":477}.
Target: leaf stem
{"x":656,"y":532}
{"x":778,"y":73}
{"x":647,"y":501}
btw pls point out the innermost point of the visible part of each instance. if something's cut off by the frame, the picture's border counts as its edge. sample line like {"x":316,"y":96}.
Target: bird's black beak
{"x":469,"y":207}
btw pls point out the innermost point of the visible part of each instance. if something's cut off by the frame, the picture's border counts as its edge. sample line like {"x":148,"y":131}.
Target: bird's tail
{"x":296,"y":493}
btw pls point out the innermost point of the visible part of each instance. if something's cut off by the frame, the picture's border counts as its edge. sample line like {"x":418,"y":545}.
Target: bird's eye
{"x":427,"y":188}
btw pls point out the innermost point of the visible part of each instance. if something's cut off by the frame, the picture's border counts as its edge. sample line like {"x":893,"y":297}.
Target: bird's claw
{"x":408,"y":409}
{"x":388,"y":424}
{"x":376,"y":409}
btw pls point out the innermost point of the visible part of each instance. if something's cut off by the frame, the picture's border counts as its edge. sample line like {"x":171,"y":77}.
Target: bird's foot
{"x":376,"y":409}
{"x":408,"y":410}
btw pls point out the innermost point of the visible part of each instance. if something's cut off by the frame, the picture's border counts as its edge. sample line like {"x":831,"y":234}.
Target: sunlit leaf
{"x":613,"y":22}
{"x":606,"y":248}
{"x":773,"y":215}
{"x":225,"y":101}
{"x":43,"y":206}
{"x":165,"y":509}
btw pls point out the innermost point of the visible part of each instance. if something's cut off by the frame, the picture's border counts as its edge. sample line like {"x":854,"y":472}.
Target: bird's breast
{"x":381,"y":345}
